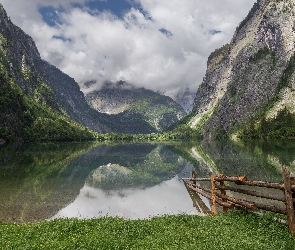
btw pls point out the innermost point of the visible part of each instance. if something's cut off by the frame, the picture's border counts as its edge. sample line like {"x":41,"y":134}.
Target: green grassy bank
{"x":234,"y":230}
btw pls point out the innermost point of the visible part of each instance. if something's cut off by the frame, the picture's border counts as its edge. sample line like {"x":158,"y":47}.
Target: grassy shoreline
{"x":234,"y":230}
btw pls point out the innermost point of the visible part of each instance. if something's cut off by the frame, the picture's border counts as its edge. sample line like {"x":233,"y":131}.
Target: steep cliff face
{"x":121,"y":98}
{"x":186,"y":99}
{"x":248,"y":76}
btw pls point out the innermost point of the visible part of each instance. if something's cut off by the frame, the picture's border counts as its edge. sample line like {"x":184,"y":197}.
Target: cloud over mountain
{"x":161,"y":45}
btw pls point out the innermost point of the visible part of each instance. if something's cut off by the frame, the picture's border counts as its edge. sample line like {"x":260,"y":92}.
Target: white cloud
{"x":99,"y":46}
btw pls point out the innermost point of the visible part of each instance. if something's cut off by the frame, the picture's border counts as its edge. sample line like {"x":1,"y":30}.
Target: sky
{"x":157,"y":44}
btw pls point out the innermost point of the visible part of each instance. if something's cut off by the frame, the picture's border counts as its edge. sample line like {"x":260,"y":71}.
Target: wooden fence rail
{"x":217,"y":194}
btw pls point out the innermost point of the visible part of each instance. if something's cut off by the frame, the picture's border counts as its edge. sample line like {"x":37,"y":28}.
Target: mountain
{"x":248,"y":89}
{"x":40,"y":102}
{"x":186,"y":99}
{"x":121,"y":98}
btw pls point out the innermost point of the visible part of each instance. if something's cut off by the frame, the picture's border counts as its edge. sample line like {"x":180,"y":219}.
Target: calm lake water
{"x":86,"y":180}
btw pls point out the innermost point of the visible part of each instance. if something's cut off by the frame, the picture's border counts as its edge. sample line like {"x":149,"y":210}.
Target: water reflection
{"x":37,"y":181}
{"x":256,"y":160}
{"x":201,"y":204}
{"x":169,"y":197}
{"x":44,"y":181}
{"x":34,"y":183}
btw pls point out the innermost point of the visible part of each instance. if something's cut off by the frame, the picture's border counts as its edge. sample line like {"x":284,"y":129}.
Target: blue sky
{"x":161,"y":45}
{"x":49,"y":14}
{"x":117,"y":7}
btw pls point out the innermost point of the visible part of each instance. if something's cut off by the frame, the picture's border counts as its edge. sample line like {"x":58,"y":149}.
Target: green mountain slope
{"x":24,"y":119}
{"x":125,"y":100}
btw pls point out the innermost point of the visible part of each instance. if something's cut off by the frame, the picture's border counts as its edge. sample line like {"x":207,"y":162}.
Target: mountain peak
{"x":124,"y":99}
{"x":117,"y":85}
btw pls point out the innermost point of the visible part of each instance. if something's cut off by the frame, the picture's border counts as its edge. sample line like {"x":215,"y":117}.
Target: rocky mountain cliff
{"x":252,"y":77}
{"x":157,"y":110}
{"x":186,"y":99}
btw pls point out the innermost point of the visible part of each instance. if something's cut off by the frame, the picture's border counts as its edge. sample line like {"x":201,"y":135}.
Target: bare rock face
{"x":186,"y":99}
{"x":243,"y":76}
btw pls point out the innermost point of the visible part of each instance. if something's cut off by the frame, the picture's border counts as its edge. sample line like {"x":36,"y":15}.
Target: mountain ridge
{"x":121,"y":97}
{"x":243,"y":81}
{"x":42,"y":96}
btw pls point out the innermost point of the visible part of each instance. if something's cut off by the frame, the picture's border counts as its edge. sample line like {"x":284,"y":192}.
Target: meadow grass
{"x":234,"y":230}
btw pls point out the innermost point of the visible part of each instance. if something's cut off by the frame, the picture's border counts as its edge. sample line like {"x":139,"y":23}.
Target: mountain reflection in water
{"x":38,"y":182}
{"x":85,"y":180}
{"x":169,"y":197}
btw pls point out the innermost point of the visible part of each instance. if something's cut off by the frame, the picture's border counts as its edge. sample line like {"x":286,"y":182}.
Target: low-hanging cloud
{"x":163,"y":46}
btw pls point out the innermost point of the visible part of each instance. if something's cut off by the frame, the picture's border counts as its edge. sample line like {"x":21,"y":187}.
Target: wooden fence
{"x":218,"y":196}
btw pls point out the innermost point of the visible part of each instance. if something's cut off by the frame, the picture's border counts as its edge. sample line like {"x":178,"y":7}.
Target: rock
{"x":243,"y":76}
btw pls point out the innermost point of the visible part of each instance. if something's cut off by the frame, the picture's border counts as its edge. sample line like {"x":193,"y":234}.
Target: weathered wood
{"x":243,"y":203}
{"x":219,"y":199}
{"x":275,"y":185}
{"x":194,"y":176}
{"x":231,"y":178}
{"x":208,"y":196}
{"x":223,"y":178}
{"x":203,"y":188}
{"x":213,"y":194}
{"x":253,"y":193}
{"x":224,"y":204}
{"x":289,"y":200}
{"x":274,"y":209}
{"x":242,"y":180}
{"x":265,"y":184}
{"x":196,"y":179}
{"x":223,"y":192}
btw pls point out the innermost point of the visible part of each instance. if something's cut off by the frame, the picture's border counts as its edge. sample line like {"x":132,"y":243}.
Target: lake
{"x":136,"y":180}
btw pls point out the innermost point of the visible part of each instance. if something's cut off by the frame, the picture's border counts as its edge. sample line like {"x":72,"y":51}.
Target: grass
{"x":234,"y":230}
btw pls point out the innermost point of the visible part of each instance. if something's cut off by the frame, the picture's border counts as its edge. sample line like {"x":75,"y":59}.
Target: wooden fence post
{"x":289,"y":200}
{"x":194,"y":176}
{"x":225,"y":209}
{"x":213,"y":195}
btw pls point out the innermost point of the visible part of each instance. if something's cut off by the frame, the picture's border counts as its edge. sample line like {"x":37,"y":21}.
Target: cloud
{"x":164,"y":45}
